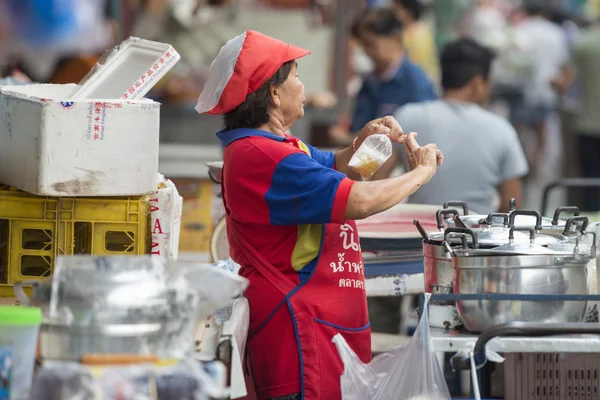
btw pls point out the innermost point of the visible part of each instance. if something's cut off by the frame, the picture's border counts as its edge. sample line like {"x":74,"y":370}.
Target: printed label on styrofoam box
{"x":155,"y":72}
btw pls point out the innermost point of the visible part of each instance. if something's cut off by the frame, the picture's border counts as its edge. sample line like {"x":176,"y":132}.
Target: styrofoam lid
{"x":128,"y":71}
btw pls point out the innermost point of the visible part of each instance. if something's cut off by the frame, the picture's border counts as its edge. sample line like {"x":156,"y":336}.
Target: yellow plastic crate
{"x":34,"y":230}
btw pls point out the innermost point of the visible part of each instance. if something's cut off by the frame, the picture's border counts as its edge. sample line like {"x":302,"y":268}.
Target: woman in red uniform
{"x":290,"y":210}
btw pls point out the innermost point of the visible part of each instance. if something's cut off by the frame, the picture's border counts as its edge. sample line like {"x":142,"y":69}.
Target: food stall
{"x":89,"y":239}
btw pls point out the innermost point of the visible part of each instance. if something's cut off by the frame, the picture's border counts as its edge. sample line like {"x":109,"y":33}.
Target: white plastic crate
{"x":51,"y":146}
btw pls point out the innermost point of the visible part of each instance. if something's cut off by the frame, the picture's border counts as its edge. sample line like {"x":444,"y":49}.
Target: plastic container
{"x":19,"y":328}
{"x":35,"y":230}
{"x":371,"y":155}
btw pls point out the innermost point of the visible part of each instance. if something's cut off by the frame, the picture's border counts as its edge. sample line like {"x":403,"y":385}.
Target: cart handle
{"x":510,"y":329}
{"x":568,"y":183}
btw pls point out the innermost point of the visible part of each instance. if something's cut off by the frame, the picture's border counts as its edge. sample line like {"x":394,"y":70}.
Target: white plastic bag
{"x":411,"y":372}
{"x":165,"y":210}
{"x":370,"y":156}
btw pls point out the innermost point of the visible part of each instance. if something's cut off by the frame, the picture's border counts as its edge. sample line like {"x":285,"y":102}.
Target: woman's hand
{"x":384,"y":126}
{"x":428,"y":156}
{"x":369,"y":198}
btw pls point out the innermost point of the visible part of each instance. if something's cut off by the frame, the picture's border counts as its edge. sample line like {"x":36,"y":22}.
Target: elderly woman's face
{"x":289,"y":97}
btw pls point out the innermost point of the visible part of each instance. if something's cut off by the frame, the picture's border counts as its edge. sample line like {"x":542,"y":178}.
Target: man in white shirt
{"x":484,"y":156}
{"x":550,"y":73}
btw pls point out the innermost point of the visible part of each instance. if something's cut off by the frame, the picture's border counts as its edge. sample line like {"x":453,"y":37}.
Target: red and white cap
{"x":242,"y":66}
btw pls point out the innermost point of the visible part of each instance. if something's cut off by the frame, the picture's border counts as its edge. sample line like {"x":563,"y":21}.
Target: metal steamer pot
{"x":548,"y":225}
{"x":519,"y":269}
{"x":437,"y":265}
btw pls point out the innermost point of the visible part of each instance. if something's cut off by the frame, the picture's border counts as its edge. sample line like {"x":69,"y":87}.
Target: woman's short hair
{"x":380,"y":21}
{"x":254,"y":111}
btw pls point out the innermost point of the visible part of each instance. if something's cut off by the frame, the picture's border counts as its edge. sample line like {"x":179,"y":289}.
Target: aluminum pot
{"x":437,"y":265}
{"x":547,"y":225}
{"x":523,"y":269}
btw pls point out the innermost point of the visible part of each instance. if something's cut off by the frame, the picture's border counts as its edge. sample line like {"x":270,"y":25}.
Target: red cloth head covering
{"x":242,"y":66}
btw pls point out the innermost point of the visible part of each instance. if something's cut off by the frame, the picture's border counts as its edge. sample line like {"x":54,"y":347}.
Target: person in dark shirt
{"x":395,"y":80}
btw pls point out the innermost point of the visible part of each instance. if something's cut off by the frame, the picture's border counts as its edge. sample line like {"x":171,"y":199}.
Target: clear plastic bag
{"x":411,"y":372}
{"x":371,"y":155}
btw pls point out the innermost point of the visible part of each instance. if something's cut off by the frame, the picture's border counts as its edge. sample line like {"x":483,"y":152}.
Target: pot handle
{"x":442,"y":213}
{"x":20,"y":293}
{"x":574,"y":221}
{"x":593,"y":248}
{"x":560,"y":210}
{"x":491,"y":217}
{"x":533,"y":213}
{"x":422,"y":231}
{"x":463,"y":232}
{"x":513,"y":229}
{"x":460,"y":204}
{"x":463,"y":239}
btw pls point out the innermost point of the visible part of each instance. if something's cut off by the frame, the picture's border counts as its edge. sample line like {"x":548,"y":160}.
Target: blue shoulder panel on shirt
{"x":325,"y":158}
{"x":302,"y":191}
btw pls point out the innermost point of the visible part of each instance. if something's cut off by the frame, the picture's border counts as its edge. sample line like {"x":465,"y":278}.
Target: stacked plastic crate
{"x":79,"y":164}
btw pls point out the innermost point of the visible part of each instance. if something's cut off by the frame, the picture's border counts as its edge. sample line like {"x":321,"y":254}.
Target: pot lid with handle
{"x":580,"y":238}
{"x":470,"y":219}
{"x":511,"y":248}
{"x":527,"y":248}
{"x":496,"y":235}
{"x":553,"y":224}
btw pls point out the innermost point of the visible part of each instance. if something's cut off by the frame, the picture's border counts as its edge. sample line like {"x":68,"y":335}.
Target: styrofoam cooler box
{"x":54,"y":147}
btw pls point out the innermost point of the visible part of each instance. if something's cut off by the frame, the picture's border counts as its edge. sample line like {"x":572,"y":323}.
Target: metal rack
{"x":405,"y":277}
{"x":515,"y":337}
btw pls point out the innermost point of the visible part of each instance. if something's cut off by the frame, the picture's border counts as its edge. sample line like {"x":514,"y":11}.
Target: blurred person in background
{"x":46,"y":33}
{"x":418,"y":39}
{"x":586,"y":59}
{"x":394,"y":81}
{"x":487,"y":24}
{"x":551,"y":75}
{"x":484,"y":155}
{"x":569,"y":104}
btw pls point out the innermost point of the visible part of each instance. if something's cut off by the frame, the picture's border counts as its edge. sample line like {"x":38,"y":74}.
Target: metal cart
{"x":550,"y":363}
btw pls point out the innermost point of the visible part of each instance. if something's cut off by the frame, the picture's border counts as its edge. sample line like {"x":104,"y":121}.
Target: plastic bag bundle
{"x":187,"y":379}
{"x":371,"y":155}
{"x":411,"y":372}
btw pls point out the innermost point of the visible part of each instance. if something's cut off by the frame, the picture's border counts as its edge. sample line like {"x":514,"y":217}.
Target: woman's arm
{"x":370,"y":198}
